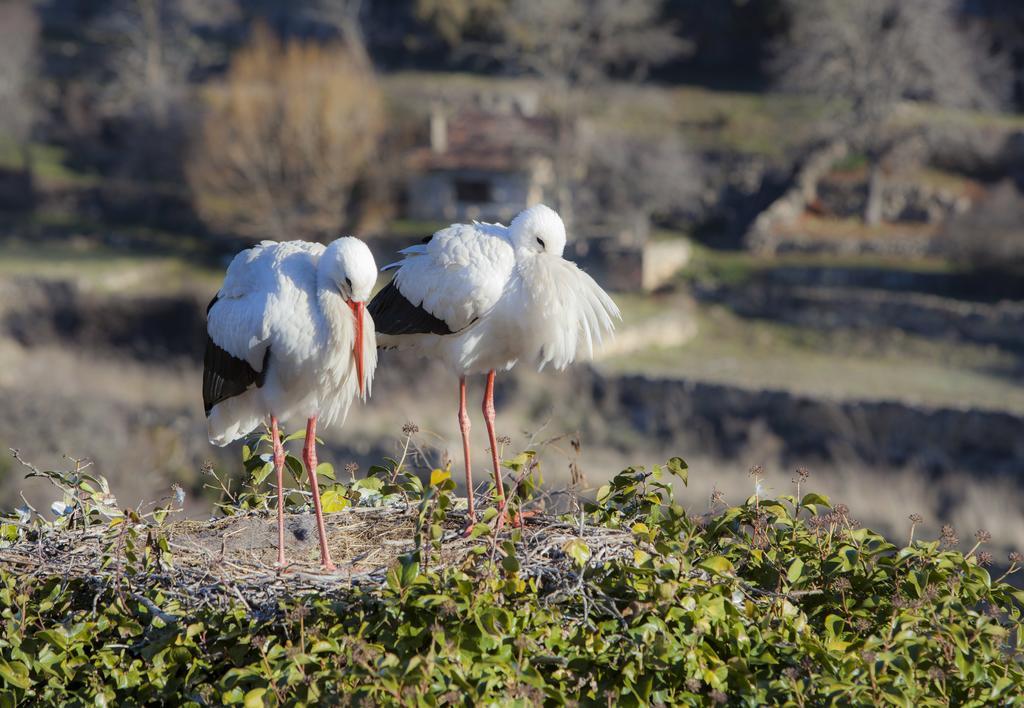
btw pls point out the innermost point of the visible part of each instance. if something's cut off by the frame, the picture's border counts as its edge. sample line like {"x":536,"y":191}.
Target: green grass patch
{"x":736,"y":267}
{"x":843,"y":364}
{"x":104,"y":268}
{"x":852,"y":162}
{"x":48,"y":164}
{"x":414,"y":228}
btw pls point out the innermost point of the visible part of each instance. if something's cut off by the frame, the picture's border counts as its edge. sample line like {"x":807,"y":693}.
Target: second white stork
{"x":290,"y":339}
{"x":480,"y":297}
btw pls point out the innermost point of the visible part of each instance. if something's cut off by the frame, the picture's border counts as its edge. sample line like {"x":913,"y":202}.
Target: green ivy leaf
{"x":578,"y":550}
{"x":254,"y":698}
{"x":333,"y":500}
{"x":717,"y":564}
{"x":796,"y":568}
{"x":679,"y":468}
{"x":812,"y":500}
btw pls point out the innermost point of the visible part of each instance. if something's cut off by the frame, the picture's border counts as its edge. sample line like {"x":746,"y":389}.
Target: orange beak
{"x":357,"y":348}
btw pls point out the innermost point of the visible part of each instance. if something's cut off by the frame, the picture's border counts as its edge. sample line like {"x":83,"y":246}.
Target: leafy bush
{"x":781,"y":600}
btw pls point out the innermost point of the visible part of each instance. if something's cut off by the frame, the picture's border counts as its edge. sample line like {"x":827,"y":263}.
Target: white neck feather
{"x":333,"y":309}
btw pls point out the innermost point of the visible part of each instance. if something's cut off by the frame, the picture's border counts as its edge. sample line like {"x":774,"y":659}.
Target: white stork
{"x":480,"y":297}
{"x":290,"y":339}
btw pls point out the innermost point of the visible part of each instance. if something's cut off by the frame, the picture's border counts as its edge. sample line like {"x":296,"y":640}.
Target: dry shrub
{"x":284,"y":139}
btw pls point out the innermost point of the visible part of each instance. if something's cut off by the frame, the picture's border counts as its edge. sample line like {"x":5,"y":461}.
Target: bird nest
{"x":232,"y":559}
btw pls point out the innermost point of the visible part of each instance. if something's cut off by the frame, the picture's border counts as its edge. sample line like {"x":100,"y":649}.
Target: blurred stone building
{"x":482,"y":165}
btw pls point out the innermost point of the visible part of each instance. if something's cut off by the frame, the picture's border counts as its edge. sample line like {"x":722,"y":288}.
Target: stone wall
{"x":724,"y":421}
{"x":762,"y":237}
{"x":998,"y":323}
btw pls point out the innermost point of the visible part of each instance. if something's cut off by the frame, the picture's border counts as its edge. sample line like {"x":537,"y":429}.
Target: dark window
{"x":476,"y":191}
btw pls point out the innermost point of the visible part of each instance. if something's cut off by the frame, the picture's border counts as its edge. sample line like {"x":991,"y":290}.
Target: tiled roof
{"x":488,"y":141}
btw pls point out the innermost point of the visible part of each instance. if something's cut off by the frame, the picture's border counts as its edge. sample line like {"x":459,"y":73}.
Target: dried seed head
{"x":504,"y":440}
{"x":693,"y":685}
{"x":982,"y":536}
{"x":948,"y":650}
{"x":984,"y":559}
{"x":916,"y":518}
{"x":948,"y":536}
{"x":842,"y":584}
{"x":791,"y":673}
{"x":410,"y":428}
{"x":718,"y":697}
{"x":842,"y":510}
{"x":1016,"y":557}
{"x":802,"y":473}
{"x":868,"y":656}
{"x":717,"y":497}
{"x":757,"y":471}
{"x":936,"y":674}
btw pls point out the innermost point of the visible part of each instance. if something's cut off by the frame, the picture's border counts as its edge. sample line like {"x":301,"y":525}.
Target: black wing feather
{"x":225,"y":376}
{"x":393,"y":314}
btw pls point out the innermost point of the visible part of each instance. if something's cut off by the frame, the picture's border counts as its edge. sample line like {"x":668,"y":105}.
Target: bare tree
{"x":346,"y":17}
{"x":145,"y":90}
{"x":19,"y":30}
{"x":150,"y":56}
{"x":454,"y":19}
{"x":576,"y":44}
{"x":284,"y":140}
{"x":580,"y":42}
{"x":866,"y":56}
{"x":634,"y":178}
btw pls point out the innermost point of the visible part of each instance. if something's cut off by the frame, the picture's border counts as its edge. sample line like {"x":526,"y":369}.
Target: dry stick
{"x":189,"y":580}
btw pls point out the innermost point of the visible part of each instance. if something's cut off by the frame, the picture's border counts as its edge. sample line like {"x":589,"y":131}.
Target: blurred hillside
{"x":810,"y":211}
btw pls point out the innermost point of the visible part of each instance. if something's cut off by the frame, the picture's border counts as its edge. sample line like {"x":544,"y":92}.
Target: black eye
{"x":348,"y":283}
{"x":541,"y":242}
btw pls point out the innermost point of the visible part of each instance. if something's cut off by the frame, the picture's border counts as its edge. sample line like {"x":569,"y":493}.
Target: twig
{"x":154,"y":609}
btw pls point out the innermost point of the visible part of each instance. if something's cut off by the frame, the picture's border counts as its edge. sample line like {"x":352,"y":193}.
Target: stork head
{"x":348,"y":265}
{"x":538,"y":229}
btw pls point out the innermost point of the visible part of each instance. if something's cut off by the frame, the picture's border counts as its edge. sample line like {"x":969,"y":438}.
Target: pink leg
{"x":279,"y":466}
{"x":309,"y":457}
{"x":464,"y":426}
{"x":488,"y":409}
